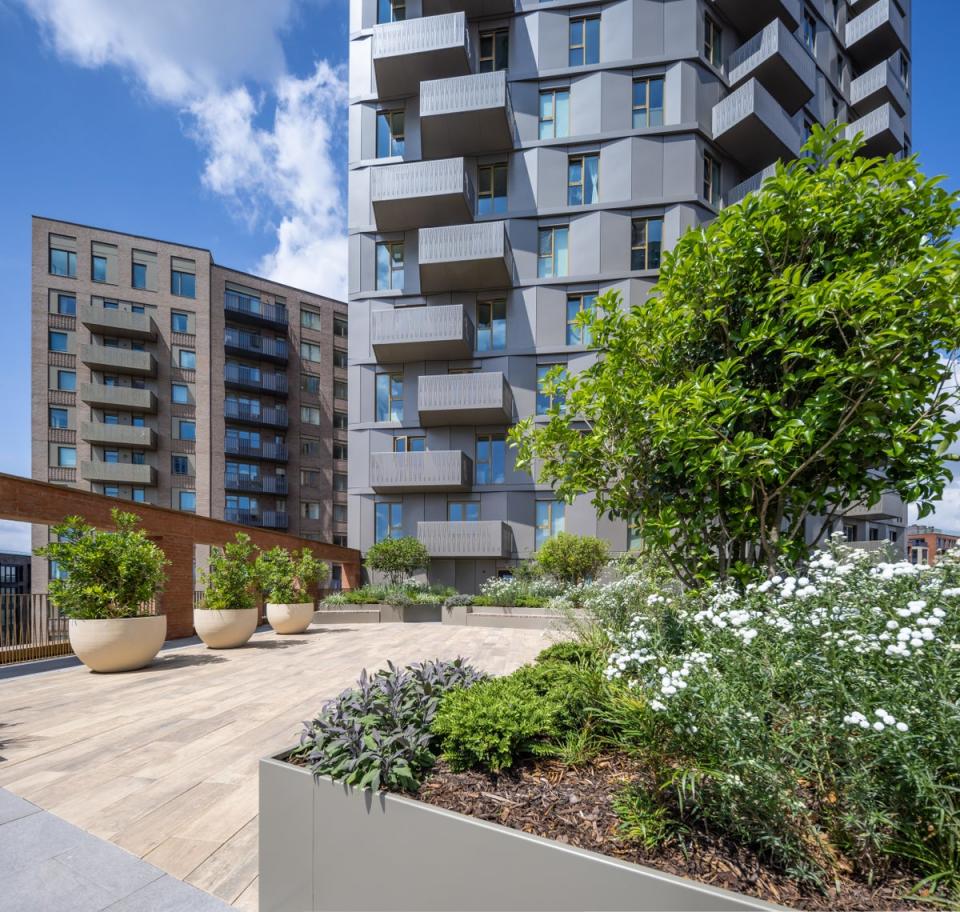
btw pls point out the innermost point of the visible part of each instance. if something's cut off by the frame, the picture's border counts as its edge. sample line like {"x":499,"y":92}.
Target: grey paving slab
{"x":169,"y":895}
{"x":30,"y":840}
{"x":12,"y":807}
{"x":51,"y":887}
{"x":119,"y":872}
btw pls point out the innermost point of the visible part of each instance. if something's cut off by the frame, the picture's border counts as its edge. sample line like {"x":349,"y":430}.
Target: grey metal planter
{"x":377,"y":614}
{"x":326,"y":846}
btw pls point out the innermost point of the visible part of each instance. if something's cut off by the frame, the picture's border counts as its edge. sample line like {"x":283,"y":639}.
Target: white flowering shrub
{"x":814,"y":716}
{"x":520,"y":591}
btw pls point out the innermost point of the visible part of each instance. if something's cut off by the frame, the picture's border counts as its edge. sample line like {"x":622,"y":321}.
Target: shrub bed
{"x":410,"y":592}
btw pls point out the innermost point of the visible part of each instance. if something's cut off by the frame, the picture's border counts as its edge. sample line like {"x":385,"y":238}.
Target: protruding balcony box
{"x":408,"y":52}
{"x":877,"y":33}
{"x":777,"y":59}
{"x":749,"y":16}
{"x":750,"y":185}
{"x":268,"y":416}
{"x":466,"y":115}
{"x":404,"y":334}
{"x":882,"y":129}
{"x":119,"y":473}
{"x":261,"y":484}
{"x":487,"y":538}
{"x":880,"y":85}
{"x":115,"y":322}
{"x":464,"y":257}
{"x":118,"y":360}
{"x":120,"y":435}
{"x":99,"y":395}
{"x":420,"y":194}
{"x":889,"y":506}
{"x":430,"y":471}
{"x":754,"y":128}
{"x":473,"y":8}
{"x":456,"y":399}
{"x":275,"y":452}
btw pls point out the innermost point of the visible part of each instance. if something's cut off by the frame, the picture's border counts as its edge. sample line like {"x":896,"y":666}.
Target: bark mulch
{"x":574,"y":805}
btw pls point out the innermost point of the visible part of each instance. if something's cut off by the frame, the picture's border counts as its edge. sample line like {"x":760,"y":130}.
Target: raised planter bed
{"x":326,"y":846}
{"x":497,"y":616}
{"x":377,"y":614}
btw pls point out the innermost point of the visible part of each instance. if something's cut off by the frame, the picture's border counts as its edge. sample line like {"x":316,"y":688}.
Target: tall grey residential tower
{"x":511,"y":159}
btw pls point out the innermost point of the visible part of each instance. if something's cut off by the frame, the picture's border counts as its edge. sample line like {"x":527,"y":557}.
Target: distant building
{"x":14,"y":573}
{"x":925,"y":544}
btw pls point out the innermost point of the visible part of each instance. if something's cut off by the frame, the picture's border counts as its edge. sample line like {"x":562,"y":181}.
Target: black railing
{"x":250,"y":306}
{"x":250,"y":378}
{"x":254,"y":414}
{"x":254,"y":344}
{"x":264,"y":519}
{"x":266,"y":484}
{"x":275,"y":451}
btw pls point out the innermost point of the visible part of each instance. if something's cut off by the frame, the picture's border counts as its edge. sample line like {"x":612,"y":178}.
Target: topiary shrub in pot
{"x":110,"y":581}
{"x":228,"y":614}
{"x":287,"y":578}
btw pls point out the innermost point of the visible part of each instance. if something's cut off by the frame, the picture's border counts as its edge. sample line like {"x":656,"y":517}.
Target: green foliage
{"x":571,"y":651}
{"x":794,"y":360}
{"x":398,"y":557}
{"x":109,"y":574}
{"x":287,"y":577}
{"x":522,"y":590}
{"x":573,"y":558}
{"x":411,"y":592}
{"x":230,"y":578}
{"x":644,"y":819}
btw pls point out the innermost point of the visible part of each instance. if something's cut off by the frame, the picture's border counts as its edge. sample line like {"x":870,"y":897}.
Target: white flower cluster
{"x":883,"y":720}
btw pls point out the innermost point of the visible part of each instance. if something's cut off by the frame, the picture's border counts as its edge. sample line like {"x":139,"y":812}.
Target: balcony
{"x":268,"y":519}
{"x":242,"y":412}
{"x":464,"y":257}
{"x":431,"y":471}
{"x":126,"y":398}
{"x":110,"y":322}
{"x":260,"y":484}
{"x":252,"y":345}
{"x":240,"y":377}
{"x":250,"y":309}
{"x":488,"y":538}
{"x":120,"y":435}
{"x":877,"y":33}
{"x":406,"y":53}
{"x":882,"y":130}
{"x":273,"y":452}
{"x":753,"y":127}
{"x":119,"y":473}
{"x":781,"y":64}
{"x":878,"y":86}
{"x":473,"y":8}
{"x":889,"y":506}
{"x":118,"y":360}
{"x":750,"y":185}
{"x":466,"y":115}
{"x":421,"y":194}
{"x":439,"y":333}
{"x":749,"y":16}
{"x":457,"y":399}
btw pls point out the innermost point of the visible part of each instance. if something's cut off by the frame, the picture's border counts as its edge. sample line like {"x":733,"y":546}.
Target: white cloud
{"x":14,"y":536}
{"x":223,"y":65}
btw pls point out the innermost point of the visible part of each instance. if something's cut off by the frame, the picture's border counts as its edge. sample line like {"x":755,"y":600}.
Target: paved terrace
{"x":163,"y":762}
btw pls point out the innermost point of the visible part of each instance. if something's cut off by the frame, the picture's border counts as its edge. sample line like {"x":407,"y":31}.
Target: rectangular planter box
{"x":326,"y":846}
{"x":517,"y":618}
{"x":377,"y":614}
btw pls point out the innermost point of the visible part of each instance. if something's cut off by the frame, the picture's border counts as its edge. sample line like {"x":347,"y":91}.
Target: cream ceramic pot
{"x":290,"y":618}
{"x":117,"y":644}
{"x":227,"y":628}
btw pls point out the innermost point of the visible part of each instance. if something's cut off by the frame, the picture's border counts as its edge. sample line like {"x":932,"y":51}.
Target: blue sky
{"x":194,"y":122}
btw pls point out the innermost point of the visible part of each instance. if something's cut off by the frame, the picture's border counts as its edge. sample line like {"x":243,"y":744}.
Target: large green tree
{"x":794,"y":360}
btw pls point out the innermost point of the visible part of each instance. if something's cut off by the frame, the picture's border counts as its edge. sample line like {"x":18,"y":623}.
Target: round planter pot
{"x":117,"y":644}
{"x":225,"y":629}
{"x":290,"y":618}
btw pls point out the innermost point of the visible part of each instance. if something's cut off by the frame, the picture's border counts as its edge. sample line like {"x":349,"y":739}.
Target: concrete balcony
{"x":882,"y":130}
{"x":753,"y":127}
{"x":878,"y":86}
{"x":438,"y":333}
{"x":781,"y":64}
{"x":473,"y":8}
{"x":750,"y":185}
{"x":431,"y":471}
{"x":895,"y":547}
{"x":261,"y":484}
{"x":464,"y":257}
{"x":253,"y":345}
{"x":749,"y":16}
{"x":466,"y":115}
{"x":422,"y":194}
{"x":118,"y":360}
{"x":408,"y":52}
{"x":888,"y":507}
{"x":109,"y":322}
{"x":489,"y":538}
{"x":268,"y":417}
{"x":125,"y":398}
{"x":274,"y":452}
{"x":267,"y":519}
{"x":457,"y":399}
{"x":119,"y":435}
{"x":877,"y":33}
{"x":141,"y":476}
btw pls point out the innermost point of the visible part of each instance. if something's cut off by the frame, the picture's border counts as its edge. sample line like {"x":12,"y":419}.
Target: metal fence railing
{"x":30,"y":628}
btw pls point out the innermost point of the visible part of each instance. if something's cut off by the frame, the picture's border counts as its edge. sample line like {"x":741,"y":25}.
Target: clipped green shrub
{"x":288,"y":577}
{"x":398,"y":558}
{"x":572,"y":559}
{"x":570,"y":651}
{"x":230,"y":578}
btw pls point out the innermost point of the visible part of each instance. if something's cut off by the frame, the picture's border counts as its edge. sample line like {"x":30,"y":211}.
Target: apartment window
{"x":187,"y":501}
{"x":63,"y":263}
{"x":188,"y":359}
{"x":340,"y":451}
{"x":555,"y":114}
{"x":494,"y":50}
{"x":712,"y":45}
{"x":390,"y":265}
{"x":180,"y":465}
{"x":179,"y":322}
{"x":339,"y":389}
{"x":339,"y":358}
{"x":389,"y":397}
{"x":390,"y":136}
{"x":310,"y":351}
{"x":111,"y":418}
{"x":340,"y":540}
{"x":340,"y":513}
{"x":389,"y":521}
{"x":409,"y":444}
{"x":137,"y":346}
{"x":58,"y":418}
{"x":491,"y":325}
{"x":340,"y":482}
{"x":138,"y":457}
{"x":183,"y":284}
{"x":309,"y":446}
{"x":138,"y":495}
{"x":67,"y":457}
{"x":309,"y":478}
{"x":584,"y":41}
{"x":549,"y":520}
{"x":137,"y":421}
{"x":111,"y":456}
{"x":110,"y":342}
{"x":545,"y":399}
{"x":339,"y":421}
{"x":67,"y":381}
{"x":905,"y":71}
{"x":310,"y":509}
{"x":391,"y":10}
{"x":578,"y":304}
{"x":111,"y":380}
{"x":648,"y":102}
{"x":98,"y":268}
{"x":137,"y":309}
{"x":138,"y":275}
{"x":463,"y":511}
{"x":850,"y":533}
{"x":57,"y":341}
{"x":309,"y":319}
{"x":552,"y":259}
{"x":309,"y":414}
{"x":492,"y":195}
{"x":491,"y":452}
{"x":187,"y":430}
{"x":242,"y":502}
{"x":66,"y":305}
{"x":180,"y":393}
{"x":646,"y":239}
{"x":711,"y":179}
{"x":111,"y":491}
{"x":340,"y":328}
{"x":583,"y":179}
{"x":111,"y":305}
{"x":809,"y":32}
